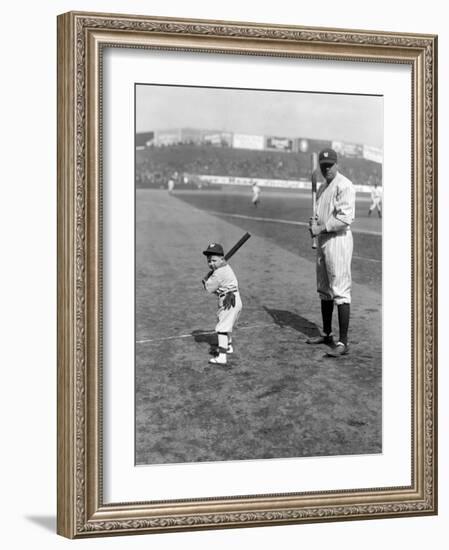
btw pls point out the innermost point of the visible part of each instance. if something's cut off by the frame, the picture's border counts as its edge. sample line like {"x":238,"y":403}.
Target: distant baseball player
{"x":171,"y":185}
{"x":221,"y":280}
{"x":332,"y":227}
{"x":376,"y":200}
{"x":256,"y":194}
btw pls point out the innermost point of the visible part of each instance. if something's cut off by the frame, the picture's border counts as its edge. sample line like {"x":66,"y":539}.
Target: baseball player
{"x":376,"y":200}
{"x":256,"y":194}
{"x":332,"y":227}
{"x":221,"y":280}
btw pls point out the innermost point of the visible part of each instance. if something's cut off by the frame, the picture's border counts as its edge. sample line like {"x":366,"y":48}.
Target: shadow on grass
{"x":285,"y":318}
{"x":206,"y":337}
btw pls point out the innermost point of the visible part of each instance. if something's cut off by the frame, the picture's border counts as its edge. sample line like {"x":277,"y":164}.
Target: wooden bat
{"x":314,"y":159}
{"x":233,"y":250}
{"x":237,"y":245}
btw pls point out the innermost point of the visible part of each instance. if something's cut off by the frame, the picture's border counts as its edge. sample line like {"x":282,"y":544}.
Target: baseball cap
{"x":327,"y":156}
{"x":214,"y":249}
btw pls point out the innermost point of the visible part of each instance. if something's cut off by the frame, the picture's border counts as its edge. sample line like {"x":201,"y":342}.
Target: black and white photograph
{"x":240,"y":345}
{"x":150,"y":148}
{"x":258,"y":274}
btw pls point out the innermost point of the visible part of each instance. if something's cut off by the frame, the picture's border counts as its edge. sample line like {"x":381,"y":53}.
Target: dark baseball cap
{"x":327,"y":156}
{"x":214,"y":249}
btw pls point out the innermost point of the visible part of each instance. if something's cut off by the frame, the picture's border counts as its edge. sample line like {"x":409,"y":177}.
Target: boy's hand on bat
{"x":204,"y":279}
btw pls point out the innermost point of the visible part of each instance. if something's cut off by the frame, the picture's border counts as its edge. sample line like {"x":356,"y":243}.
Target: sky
{"x":335,"y":117}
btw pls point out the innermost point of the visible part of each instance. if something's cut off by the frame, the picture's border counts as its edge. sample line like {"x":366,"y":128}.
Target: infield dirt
{"x":277,"y":396}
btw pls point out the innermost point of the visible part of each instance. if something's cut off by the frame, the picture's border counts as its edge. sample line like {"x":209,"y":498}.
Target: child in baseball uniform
{"x":222,"y":282}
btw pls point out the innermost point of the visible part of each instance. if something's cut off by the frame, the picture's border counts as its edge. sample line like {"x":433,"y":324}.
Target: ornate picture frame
{"x":82,"y":508}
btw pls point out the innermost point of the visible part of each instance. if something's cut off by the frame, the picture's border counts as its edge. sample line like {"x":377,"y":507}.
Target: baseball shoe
{"x":327,"y":339}
{"x":214,"y":350}
{"x":338,"y":350}
{"x":217,"y":360}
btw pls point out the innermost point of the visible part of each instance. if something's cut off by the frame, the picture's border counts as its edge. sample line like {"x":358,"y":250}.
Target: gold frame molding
{"x":81,"y":37}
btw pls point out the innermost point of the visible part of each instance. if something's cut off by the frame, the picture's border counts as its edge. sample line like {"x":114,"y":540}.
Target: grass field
{"x":277,"y":396}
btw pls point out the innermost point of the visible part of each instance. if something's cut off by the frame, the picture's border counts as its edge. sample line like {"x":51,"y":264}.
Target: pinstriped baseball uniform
{"x":335,"y":210}
{"x":221,"y":281}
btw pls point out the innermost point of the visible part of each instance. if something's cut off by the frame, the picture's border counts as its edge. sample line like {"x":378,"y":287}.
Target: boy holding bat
{"x":330,"y":227}
{"x":221,"y":280}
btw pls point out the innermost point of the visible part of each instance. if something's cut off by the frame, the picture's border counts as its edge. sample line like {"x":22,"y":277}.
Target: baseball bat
{"x":237,"y":245}
{"x":233,"y":250}
{"x":314,"y":159}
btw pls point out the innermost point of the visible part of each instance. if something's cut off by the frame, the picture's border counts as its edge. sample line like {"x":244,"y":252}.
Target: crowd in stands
{"x":155,"y":165}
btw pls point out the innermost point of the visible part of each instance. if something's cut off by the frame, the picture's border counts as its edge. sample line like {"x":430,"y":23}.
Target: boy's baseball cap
{"x":327,"y":156}
{"x":214,"y":249}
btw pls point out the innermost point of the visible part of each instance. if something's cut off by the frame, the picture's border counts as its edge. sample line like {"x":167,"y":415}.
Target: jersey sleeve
{"x":212,"y":283}
{"x":221,"y":281}
{"x":344,"y":207}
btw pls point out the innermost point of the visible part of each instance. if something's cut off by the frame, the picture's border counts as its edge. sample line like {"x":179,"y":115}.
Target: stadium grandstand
{"x":198,"y":158}
{"x":144,"y":139}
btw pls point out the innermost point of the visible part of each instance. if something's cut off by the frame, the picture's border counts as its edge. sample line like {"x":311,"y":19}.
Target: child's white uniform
{"x":221,"y":281}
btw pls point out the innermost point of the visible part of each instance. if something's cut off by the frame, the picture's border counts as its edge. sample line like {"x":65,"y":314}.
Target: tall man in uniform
{"x":332,"y":227}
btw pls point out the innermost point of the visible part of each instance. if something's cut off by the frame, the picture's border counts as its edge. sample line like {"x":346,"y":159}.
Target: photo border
{"x":81,"y":39}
